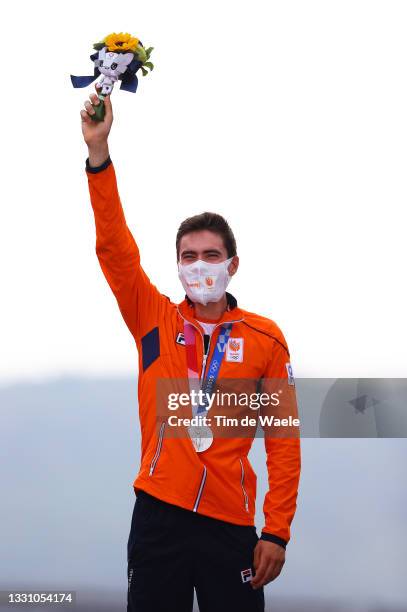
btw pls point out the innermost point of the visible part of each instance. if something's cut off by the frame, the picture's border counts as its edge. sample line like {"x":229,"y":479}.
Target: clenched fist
{"x":95,"y":133}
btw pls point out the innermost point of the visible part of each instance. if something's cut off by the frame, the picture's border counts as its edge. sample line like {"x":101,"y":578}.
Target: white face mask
{"x":205,"y":282}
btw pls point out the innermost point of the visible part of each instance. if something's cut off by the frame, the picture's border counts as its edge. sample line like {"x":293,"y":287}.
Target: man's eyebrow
{"x":206,"y":252}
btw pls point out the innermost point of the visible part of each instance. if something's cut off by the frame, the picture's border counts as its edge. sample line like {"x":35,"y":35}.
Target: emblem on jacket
{"x":290,"y":374}
{"x":234,"y":350}
{"x":180,"y":338}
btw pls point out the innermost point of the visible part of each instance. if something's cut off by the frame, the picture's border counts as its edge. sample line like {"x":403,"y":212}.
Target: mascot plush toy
{"x":117,"y":57}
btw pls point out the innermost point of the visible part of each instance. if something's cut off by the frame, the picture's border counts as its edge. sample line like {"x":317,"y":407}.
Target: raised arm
{"x":140,"y":302}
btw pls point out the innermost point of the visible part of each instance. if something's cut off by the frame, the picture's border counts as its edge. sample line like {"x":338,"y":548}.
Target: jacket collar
{"x":232,"y":312}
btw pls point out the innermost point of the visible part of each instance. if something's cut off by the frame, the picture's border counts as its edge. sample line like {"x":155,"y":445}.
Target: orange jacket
{"x":219,"y":482}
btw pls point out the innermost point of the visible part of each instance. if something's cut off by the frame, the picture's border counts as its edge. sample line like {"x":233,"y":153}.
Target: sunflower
{"x":121,"y":42}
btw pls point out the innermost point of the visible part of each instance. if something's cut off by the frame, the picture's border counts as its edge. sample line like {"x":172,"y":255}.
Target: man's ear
{"x":233,"y":266}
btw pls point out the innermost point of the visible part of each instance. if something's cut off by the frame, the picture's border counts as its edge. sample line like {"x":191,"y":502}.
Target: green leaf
{"x":149,"y":65}
{"x":148,"y":52}
{"x":141,"y":54}
{"x":144,"y":71}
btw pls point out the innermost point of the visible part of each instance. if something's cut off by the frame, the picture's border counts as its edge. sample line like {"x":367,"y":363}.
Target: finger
{"x":89,"y":107}
{"x":108,"y":107}
{"x":260,"y":573}
{"x":278,"y":570}
{"x":94,"y":98}
{"x":271,"y":573}
{"x":274,"y":571}
{"x":256,"y":557}
{"x":85,"y":117}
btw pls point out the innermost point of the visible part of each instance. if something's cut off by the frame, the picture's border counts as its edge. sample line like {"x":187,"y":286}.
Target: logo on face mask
{"x":205,"y":282}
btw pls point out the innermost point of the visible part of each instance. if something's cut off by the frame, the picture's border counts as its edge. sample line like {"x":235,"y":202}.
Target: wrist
{"x":270,"y":537}
{"x":96,"y":169}
{"x":98,"y":153}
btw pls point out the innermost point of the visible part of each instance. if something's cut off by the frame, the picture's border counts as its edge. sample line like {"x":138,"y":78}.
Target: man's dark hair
{"x":208,"y":221}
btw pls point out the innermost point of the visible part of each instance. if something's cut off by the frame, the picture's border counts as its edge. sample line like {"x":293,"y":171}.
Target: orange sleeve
{"x":140,"y":302}
{"x":283,"y":451}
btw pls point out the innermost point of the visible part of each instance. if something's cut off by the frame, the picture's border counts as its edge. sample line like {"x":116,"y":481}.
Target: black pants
{"x":171,"y":551}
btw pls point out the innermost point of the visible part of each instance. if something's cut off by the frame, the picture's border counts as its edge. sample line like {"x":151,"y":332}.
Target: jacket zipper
{"x":158,"y":449}
{"x":201,"y":486}
{"x":204,"y":358}
{"x":245,"y":496}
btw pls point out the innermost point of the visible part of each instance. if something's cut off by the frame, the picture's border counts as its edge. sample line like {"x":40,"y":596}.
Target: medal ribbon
{"x":213,"y":368}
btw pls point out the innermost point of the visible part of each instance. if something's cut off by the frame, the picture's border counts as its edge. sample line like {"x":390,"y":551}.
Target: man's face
{"x":206,"y":246}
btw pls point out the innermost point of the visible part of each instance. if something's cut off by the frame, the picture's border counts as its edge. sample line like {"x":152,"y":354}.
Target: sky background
{"x":289,"y":118}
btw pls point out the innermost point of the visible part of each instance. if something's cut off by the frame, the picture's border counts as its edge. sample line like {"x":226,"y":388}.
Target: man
{"x":193,"y":519}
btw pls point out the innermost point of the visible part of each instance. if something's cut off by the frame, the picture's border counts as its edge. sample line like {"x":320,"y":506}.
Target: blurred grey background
{"x":70,"y":452}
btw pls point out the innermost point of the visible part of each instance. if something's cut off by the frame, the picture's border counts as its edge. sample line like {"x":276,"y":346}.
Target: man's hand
{"x":95,"y":133}
{"x":268,"y":562}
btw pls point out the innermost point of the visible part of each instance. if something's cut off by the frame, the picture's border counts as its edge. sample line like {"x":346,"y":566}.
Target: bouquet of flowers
{"x":117,"y":57}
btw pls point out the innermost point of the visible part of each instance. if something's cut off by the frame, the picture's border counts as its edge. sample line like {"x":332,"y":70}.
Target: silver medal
{"x":201,"y":436}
